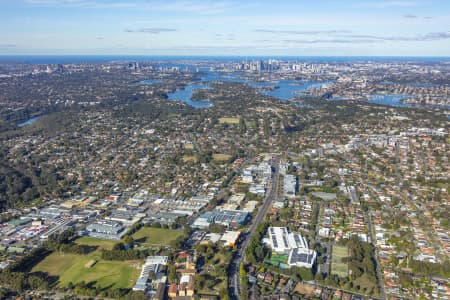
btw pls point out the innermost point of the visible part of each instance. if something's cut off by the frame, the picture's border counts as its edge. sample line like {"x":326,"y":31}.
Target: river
{"x":29,"y":121}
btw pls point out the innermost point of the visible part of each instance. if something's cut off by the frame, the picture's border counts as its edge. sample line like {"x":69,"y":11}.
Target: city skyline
{"x":185,"y":27}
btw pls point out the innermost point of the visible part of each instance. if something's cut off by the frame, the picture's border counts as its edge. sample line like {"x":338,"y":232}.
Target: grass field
{"x":221,"y":157}
{"x":187,"y":158}
{"x":337,"y":266}
{"x":90,"y":241}
{"x":72,"y":268}
{"x":250,"y":124}
{"x":229,"y":120}
{"x":156,"y":236}
{"x":276,"y":259}
{"x":365,"y":282}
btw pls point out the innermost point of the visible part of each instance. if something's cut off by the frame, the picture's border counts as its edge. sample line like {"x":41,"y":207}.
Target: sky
{"x":226,"y":27}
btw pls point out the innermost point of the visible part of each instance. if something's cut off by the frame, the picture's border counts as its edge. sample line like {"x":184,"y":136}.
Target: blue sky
{"x":226,"y":27}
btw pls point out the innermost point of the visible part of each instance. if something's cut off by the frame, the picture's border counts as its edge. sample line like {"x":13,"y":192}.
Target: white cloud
{"x":150,"y":30}
{"x":386,"y":4}
{"x":301,"y":32}
{"x":205,"y":7}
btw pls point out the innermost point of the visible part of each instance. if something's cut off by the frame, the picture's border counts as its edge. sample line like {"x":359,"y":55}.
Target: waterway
{"x":281,"y":89}
{"x":389,"y":100}
{"x":287,"y":89}
{"x":395,"y":100}
{"x":29,"y":121}
{"x":185,"y":95}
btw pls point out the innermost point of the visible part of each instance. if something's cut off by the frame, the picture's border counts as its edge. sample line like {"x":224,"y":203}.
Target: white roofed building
{"x":296,"y":246}
{"x":302,"y":257}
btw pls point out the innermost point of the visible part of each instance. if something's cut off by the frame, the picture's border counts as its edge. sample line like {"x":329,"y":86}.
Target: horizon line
{"x":222,"y":55}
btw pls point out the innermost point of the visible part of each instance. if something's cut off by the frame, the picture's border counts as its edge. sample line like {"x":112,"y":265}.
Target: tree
{"x":128,"y":241}
{"x":172,"y":273}
{"x":156,"y":225}
{"x":217,"y":228}
{"x":304,"y":273}
{"x":37,"y":282}
{"x":242,"y":272}
{"x":119,"y":246}
{"x":199,"y":282}
{"x":244,"y":282}
{"x":223,"y":293}
{"x":259,"y":252}
{"x":242,"y":126}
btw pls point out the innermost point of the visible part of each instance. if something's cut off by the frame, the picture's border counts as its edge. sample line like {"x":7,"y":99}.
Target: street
{"x":233,"y":271}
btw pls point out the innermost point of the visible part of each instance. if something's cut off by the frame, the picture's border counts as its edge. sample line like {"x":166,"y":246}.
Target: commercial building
{"x":181,"y":205}
{"x":258,"y":189}
{"x":301,"y":257}
{"x":278,"y":239}
{"x":83,"y":215}
{"x":127,"y":217}
{"x":162,"y":217}
{"x":48,"y":213}
{"x":60,"y":226}
{"x":263,"y":170}
{"x":290,"y":185}
{"x":106,"y":230}
{"x":230,"y":238}
{"x":250,"y":206}
{"x":293,"y":244}
{"x":155,"y":265}
{"x":228,"y":218}
{"x":236,"y":198}
{"x":210,"y":238}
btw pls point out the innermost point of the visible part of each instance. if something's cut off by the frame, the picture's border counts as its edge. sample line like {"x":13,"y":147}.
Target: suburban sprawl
{"x":225,"y":179}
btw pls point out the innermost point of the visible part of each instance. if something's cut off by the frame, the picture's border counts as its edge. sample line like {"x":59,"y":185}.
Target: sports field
{"x":191,"y":158}
{"x":337,"y":266}
{"x":76,"y":268}
{"x":229,"y":120}
{"x":277,"y":259}
{"x":221,"y":157}
{"x":148,"y":236}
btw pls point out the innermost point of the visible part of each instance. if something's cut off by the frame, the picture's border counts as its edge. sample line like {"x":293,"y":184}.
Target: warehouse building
{"x":228,"y":218}
{"x":106,"y":230}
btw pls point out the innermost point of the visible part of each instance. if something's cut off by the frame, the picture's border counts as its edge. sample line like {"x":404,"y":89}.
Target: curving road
{"x":233,"y":270}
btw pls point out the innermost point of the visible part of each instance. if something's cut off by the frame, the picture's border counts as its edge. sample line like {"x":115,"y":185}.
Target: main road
{"x":233,"y":270}
{"x":373,"y":241}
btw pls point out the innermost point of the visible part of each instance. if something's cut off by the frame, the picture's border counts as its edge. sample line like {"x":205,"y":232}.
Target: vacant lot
{"x":304,"y":289}
{"x":100,"y":243}
{"x":149,"y":236}
{"x":337,"y":266}
{"x":229,"y":120}
{"x":72,"y":268}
